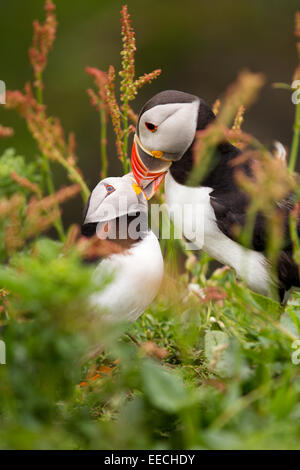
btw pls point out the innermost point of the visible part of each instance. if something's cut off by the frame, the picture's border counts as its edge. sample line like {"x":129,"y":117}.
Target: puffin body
{"x":117,"y":210}
{"x":249,"y":265}
{"x":163,"y":145}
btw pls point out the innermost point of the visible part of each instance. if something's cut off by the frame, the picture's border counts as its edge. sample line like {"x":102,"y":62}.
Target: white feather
{"x":280,"y":151}
{"x":137,"y":275}
{"x":249,"y":265}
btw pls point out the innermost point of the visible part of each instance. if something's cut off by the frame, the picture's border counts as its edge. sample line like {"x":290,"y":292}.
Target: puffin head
{"x":113,"y":204}
{"x":166,"y":128}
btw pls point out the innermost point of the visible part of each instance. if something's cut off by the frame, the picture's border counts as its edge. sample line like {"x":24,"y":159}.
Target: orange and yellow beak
{"x":149,"y":168}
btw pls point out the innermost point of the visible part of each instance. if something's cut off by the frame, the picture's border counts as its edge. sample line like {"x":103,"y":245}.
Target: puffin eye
{"x":150,"y":126}
{"x":109,"y":188}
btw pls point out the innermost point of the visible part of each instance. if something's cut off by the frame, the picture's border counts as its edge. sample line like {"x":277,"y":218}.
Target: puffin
{"x":117,"y":210}
{"x":163,"y":150}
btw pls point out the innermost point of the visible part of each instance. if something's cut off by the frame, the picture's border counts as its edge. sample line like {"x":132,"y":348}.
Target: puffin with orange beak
{"x":163,"y":149}
{"x":117,"y":210}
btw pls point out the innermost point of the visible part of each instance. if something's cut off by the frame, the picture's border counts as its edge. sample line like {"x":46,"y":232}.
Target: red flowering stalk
{"x":71,"y":149}
{"x":216,"y":106}
{"x":269,"y":176}
{"x":12,"y":231}
{"x":210,"y":293}
{"x":205,"y":144}
{"x":150,"y":348}
{"x":62,"y":195}
{"x":72,"y":237}
{"x":273,"y":182}
{"x":129,"y":86}
{"x":127,"y":76}
{"x":26,"y":183}
{"x":89,"y":248}
{"x":239,"y":118}
{"x":242,"y":92}
{"x":105,"y":98}
{"x":99,"y":101}
{"x":128,"y":67}
{"x":6,"y":132}
{"x":41,"y":215}
{"x":43,"y":39}
{"x":115,"y":113}
{"x":146,"y":78}
{"x":93,"y":248}
{"x":270,"y":179}
{"x":48,"y":134}
{"x":5,"y":204}
{"x":25,"y":222}
{"x":244,"y":139}
{"x":236,"y":127}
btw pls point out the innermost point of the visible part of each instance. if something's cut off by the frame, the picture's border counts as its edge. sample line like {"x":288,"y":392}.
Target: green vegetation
{"x":209,"y":365}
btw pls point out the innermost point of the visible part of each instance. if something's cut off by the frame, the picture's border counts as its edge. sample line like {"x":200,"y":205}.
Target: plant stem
{"x":239,"y":405}
{"x":77,"y":178}
{"x":103,"y":140}
{"x":39,"y":95}
{"x":247,"y":233}
{"x":125,"y":141}
{"x":47,"y":171}
{"x":295,"y":141}
{"x":51,"y":190}
{"x":294,"y":238}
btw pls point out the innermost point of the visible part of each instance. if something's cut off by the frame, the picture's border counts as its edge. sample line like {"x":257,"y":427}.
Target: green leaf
{"x":290,"y":320}
{"x":218,"y":353}
{"x":164,"y":389}
{"x":10,"y":162}
{"x":269,"y":306}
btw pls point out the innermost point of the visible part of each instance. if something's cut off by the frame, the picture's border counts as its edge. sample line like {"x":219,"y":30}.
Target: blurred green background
{"x":200,"y":46}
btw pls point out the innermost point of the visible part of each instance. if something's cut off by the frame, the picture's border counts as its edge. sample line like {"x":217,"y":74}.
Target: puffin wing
{"x":231,"y":216}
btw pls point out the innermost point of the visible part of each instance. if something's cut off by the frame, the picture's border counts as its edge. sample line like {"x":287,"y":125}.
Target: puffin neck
{"x":221,"y":174}
{"x":90,"y":230}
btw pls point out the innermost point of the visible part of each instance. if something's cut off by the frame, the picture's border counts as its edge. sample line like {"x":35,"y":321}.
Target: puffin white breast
{"x":137,"y":275}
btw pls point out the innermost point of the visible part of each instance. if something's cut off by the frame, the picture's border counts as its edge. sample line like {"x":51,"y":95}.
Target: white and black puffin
{"x":163,"y":147}
{"x":117,"y":210}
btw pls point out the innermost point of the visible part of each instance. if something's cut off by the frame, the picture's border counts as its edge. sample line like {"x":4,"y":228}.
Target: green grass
{"x":214,"y":374}
{"x":209,"y":365}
